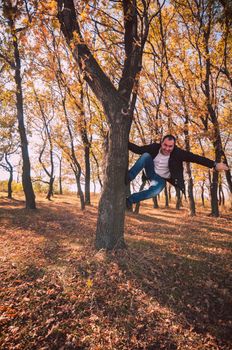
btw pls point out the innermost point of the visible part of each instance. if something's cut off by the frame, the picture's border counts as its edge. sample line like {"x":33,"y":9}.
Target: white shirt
{"x":161,"y":165}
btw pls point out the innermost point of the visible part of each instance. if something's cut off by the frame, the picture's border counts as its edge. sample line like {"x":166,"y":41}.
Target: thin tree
{"x":11,"y":12}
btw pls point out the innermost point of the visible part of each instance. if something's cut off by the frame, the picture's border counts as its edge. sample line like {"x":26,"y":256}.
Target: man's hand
{"x":221,"y":167}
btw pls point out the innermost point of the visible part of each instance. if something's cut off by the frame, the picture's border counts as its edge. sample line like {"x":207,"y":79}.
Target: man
{"x":163,"y":162}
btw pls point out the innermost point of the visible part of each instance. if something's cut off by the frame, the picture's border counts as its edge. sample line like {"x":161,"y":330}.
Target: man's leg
{"x":157,"y":185}
{"x":144,"y":162}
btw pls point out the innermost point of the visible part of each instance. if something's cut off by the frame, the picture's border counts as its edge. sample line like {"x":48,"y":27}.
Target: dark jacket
{"x":177,"y":157}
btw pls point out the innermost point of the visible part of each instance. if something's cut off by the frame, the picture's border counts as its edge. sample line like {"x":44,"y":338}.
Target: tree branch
{"x":93,"y":74}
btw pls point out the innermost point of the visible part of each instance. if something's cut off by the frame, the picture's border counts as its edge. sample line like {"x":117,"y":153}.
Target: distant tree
{"x":11,"y":14}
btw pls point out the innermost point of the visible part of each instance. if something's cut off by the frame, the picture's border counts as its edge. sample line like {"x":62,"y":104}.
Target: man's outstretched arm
{"x":195,"y":158}
{"x":140,"y":149}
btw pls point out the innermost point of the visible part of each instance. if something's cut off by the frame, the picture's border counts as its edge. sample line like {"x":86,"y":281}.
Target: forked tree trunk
{"x":118,"y":104}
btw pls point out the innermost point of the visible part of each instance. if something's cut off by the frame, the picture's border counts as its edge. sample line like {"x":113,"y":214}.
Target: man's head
{"x":167,"y":144}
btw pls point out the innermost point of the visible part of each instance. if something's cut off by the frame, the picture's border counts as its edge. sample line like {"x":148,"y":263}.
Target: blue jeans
{"x":146,"y":162}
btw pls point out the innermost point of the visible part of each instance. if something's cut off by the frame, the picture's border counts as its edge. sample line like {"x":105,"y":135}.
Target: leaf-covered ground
{"x":171,"y":289}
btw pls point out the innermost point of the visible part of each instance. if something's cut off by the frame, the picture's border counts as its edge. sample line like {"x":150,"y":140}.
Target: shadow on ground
{"x":170,"y":290}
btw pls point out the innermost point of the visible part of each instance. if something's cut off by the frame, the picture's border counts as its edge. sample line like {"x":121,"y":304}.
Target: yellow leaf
{"x":89,"y":283}
{"x":25,"y":21}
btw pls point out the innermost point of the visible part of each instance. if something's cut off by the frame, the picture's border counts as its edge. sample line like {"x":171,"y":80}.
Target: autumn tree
{"x":12,"y":15}
{"x":200,"y":21}
{"x":118,"y":101}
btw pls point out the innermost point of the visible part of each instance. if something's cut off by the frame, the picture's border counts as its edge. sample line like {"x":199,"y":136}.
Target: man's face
{"x":167,"y":147}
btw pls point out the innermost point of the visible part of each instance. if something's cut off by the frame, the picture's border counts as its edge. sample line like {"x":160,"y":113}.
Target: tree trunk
{"x":47,"y":172}
{"x":87,"y":175}
{"x":111,"y":211}
{"x":118,"y":104}
{"x":155,"y":202}
{"x":86,"y":143}
{"x":60,"y":176}
{"x":213,"y":192}
{"x":26,"y":168}
{"x":137,"y":206}
{"x":228,"y":178}
{"x":79,"y":190}
{"x":178,"y":198}
{"x":50,"y":188}
{"x":202,"y":195}
{"x":9,"y":184}
{"x":75,"y":165}
{"x":192,"y":207}
{"x":98,"y":169}
{"x":166,"y":196}
{"x":221,"y":196}
{"x":50,"y":173}
{"x":76,"y":168}
{"x":169,"y":193}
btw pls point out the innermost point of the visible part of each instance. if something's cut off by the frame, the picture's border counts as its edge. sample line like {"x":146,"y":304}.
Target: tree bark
{"x":118,"y":104}
{"x":214,"y":197}
{"x":79,"y":189}
{"x":169,"y":193}
{"x":137,"y":206}
{"x":178,"y":198}
{"x":48,"y":173}
{"x":203,"y":195}
{"x":111,"y":213}
{"x":26,"y":168}
{"x":75,"y":165}
{"x":9,"y":184}
{"x":166,"y":196}
{"x":98,"y":169}
{"x":50,"y":188}
{"x":192,"y":207}
{"x":155,"y":202}
{"x":60,"y":176}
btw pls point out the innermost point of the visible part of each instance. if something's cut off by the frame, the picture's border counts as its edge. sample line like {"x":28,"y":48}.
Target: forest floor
{"x":171,"y":289}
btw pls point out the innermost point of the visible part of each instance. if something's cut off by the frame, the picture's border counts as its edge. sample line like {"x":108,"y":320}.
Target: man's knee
{"x":156,"y":186}
{"x":146,"y":156}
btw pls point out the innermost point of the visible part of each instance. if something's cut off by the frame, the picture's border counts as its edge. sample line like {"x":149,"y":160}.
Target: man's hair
{"x":169,"y":137}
